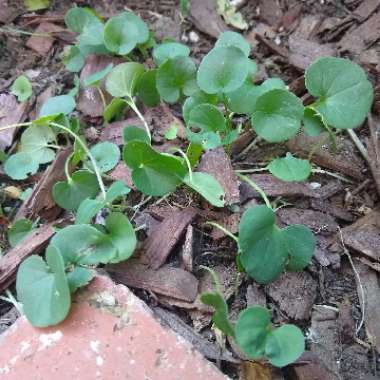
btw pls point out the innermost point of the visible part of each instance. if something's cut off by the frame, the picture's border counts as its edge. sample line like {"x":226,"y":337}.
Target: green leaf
{"x":290,"y":168}
{"x":116,"y":190}
{"x":194,"y":153}
{"x":277,"y":116}
{"x":132,"y":132}
{"x":58,"y":104}
{"x":36,"y":5}
{"x":106,"y":155}
{"x":212,"y":127}
{"x":153,"y":173}
{"x":171,"y":132}
{"x":169,"y":50}
{"x":90,"y":207}
{"x":233,"y":39}
{"x":83,"y":245}
{"x":114,"y":110}
{"x":19,"y":165}
{"x":266,"y":249}
{"x":243,"y":100}
{"x":207,"y":186}
{"x":176,"y":76}
{"x":146,"y":88}
{"x":220,"y":316}
{"x":344,"y":93}
{"x":300,"y":245}
{"x":91,"y":39}
{"x":35,"y":140}
{"x":79,"y":277}
{"x":198,"y":98}
{"x":22,"y":88}
{"x":77,"y":19}
{"x":69,"y":194}
{"x":312,"y":122}
{"x":216,"y":300}
{"x":43,"y":290}
{"x":87,"y":209}
{"x":284,"y":345}
{"x":19,"y":231}
{"x":123,"y":32}
{"x":123,"y":78}
{"x":93,"y":80}
{"x":73,"y":59}
{"x":223,"y":69}
{"x":251,"y":331}
{"x":122,"y":235}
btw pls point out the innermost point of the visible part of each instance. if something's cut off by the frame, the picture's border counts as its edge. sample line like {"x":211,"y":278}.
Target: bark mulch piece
{"x":304,"y":52}
{"x":11,"y":112}
{"x":121,"y":172}
{"x":364,"y":235}
{"x":41,"y":202}
{"x":164,"y":238}
{"x":294,"y":293}
{"x":216,"y":163}
{"x":255,"y":295}
{"x":169,"y":281}
{"x":113,"y":132}
{"x":89,"y":100}
{"x":33,"y":243}
{"x":43,"y":44}
{"x":205,"y":18}
{"x":369,"y":285}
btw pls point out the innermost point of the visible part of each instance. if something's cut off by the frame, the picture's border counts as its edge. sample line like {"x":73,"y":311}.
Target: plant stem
{"x":257,"y":188}
{"x":101,"y":94}
{"x":13,"y":301}
{"x":132,"y":104}
{"x":183,"y":154}
{"x":251,"y":170}
{"x":26,"y":124}
{"x":19,"y":31}
{"x":227,"y":232}
{"x":67,"y":174}
{"x":88,"y":153}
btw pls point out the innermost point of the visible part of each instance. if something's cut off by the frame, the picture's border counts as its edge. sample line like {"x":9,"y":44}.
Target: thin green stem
{"x":88,"y":153}
{"x":183,"y":154}
{"x":132,"y":104}
{"x":257,"y":188}
{"x":101,"y":94}
{"x":19,"y":31}
{"x":67,"y":171}
{"x":251,"y":170}
{"x":214,"y":277}
{"x":223,"y":229}
{"x":10,"y":126}
{"x":13,"y":301}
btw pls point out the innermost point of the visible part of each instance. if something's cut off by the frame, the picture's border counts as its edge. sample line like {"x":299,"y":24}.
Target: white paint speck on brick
{"x":48,"y":340}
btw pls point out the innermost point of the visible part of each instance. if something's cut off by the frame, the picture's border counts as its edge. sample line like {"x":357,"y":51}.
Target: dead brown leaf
{"x":43,"y":44}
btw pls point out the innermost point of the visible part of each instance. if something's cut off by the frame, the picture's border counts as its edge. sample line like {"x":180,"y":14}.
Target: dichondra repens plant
{"x":212,"y":95}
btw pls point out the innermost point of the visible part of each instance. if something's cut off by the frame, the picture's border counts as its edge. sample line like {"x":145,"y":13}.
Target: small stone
{"x":194,"y":37}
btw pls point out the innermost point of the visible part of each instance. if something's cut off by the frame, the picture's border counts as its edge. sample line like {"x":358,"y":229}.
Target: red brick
{"x":110,"y":334}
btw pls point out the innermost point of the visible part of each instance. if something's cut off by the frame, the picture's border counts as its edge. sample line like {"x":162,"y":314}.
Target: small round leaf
{"x":22,"y":88}
{"x":290,"y":168}
{"x":106,"y":155}
{"x":169,"y":50}
{"x":233,"y":39}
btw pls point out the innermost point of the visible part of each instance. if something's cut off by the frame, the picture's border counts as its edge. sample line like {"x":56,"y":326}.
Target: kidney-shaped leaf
{"x":266,"y":249}
{"x":83,"y":244}
{"x":251,"y":331}
{"x":169,"y":50}
{"x":290,"y":168}
{"x":176,"y":76}
{"x":344,"y":93}
{"x":312,"y":122}
{"x":19,"y":231}
{"x":43,"y":290}
{"x":147,"y":90}
{"x":69,"y":194}
{"x":79,"y":277}
{"x":122,"y":236}
{"x":22,"y":88}
{"x":206,"y":185}
{"x":153,"y":173}
{"x":58,"y":104}
{"x":284,"y":345}
{"x":19,"y":165}
{"x":123,"y":78}
{"x":233,"y":39}
{"x":123,"y":32}
{"x":77,"y":18}
{"x":106,"y":155}
{"x":223,"y":69}
{"x":277,"y":116}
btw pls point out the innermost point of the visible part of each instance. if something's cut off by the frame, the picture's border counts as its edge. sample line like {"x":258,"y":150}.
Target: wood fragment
{"x":43,"y":44}
{"x":373,"y":146}
{"x":121,"y":172}
{"x":32,"y":244}
{"x":216,"y":163}
{"x":114,"y":131}
{"x":169,"y":281}
{"x":164,"y":238}
{"x":40,"y":202}
{"x":11,"y":112}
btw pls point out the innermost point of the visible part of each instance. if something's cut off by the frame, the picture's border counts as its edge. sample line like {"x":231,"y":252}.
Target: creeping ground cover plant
{"x":220,"y":99}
